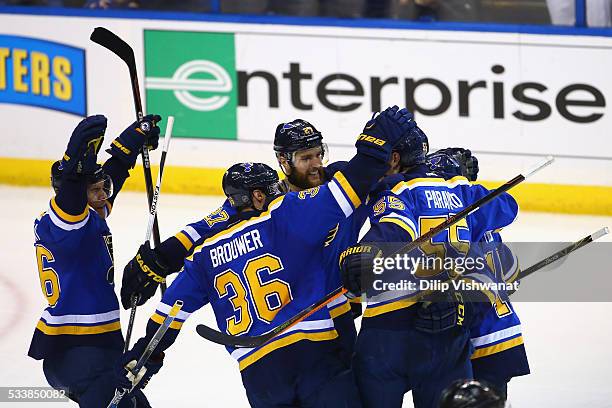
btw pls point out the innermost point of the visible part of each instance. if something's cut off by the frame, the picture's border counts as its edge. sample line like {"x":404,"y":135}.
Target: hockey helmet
{"x":97,"y":176}
{"x":413,"y":148}
{"x":241,"y":179}
{"x":471,"y":394}
{"x":297,"y":135}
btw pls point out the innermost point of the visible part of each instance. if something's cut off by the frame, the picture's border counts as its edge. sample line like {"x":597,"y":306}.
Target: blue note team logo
{"x":42,"y":73}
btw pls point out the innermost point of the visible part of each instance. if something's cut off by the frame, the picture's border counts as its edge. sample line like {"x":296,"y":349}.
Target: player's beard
{"x":308,"y":180}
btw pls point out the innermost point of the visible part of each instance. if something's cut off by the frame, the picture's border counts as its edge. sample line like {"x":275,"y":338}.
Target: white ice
{"x":568,"y":343}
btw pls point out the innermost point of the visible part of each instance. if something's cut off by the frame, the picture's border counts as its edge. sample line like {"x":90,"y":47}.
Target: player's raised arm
{"x":77,"y":170}
{"x":349,"y":187}
{"x":125,"y":148}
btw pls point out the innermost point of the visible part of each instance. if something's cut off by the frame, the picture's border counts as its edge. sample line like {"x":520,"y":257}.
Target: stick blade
{"x":112,"y":42}
{"x":229,"y":340}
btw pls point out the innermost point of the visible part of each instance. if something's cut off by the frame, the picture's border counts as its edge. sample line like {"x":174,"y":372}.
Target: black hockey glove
{"x":142,"y":275}
{"x":384,"y":131}
{"x":83,"y":147}
{"x":439,"y":313}
{"x":356,"y":264}
{"x":454,"y":161}
{"x":125,"y":379}
{"x":144,"y":133}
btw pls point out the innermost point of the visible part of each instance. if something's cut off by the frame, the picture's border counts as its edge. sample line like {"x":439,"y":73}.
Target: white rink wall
{"x":532,"y":94}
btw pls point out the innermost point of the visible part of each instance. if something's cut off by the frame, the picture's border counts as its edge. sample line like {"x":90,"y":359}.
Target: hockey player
{"x":499,"y":351}
{"x":150,"y":267}
{"x":403,"y":344}
{"x":301,"y":154}
{"x":79,"y":336}
{"x":263,"y":270}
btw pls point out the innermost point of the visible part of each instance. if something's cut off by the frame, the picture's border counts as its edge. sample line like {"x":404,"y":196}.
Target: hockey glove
{"x":126,"y":379}
{"x":356,"y":265}
{"x":142,"y":275}
{"x":454,"y":161}
{"x":384,"y":131}
{"x":144,"y":133}
{"x":83,"y":147}
{"x":439,"y":313}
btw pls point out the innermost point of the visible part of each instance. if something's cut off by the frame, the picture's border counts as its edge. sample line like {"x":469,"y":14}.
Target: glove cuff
{"x":374,"y":147}
{"x":127,"y":154}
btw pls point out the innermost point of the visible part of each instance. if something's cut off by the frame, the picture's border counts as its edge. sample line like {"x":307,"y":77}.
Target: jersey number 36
{"x":268,"y":297}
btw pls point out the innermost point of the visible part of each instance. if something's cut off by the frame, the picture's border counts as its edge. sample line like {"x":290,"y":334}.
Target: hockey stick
{"x":560,"y":254}
{"x":120,"y":48}
{"x":256,"y":341}
{"x":159,"y":334}
{"x":152,"y":217}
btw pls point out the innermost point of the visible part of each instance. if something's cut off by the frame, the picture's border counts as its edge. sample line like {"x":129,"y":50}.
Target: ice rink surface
{"x":568,"y":344}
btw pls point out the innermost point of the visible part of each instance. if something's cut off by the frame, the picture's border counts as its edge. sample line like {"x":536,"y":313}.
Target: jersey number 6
{"x":49,"y":281}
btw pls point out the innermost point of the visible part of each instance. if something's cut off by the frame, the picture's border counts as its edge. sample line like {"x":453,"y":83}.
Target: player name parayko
{"x":241,"y":245}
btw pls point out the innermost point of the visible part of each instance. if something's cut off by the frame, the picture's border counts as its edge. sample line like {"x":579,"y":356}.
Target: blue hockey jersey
{"x":420,"y":201}
{"x":75,"y":267}
{"x":262,"y":271}
{"x":496,"y":334}
{"x":193,"y":234}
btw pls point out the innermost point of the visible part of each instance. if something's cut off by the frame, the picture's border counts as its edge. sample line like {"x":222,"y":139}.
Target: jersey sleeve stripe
{"x":191,"y":233}
{"x":498,"y":348}
{"x":184,"y":240}
{"x":339,"y":300}
{"x":345,"y":206}
{"x":339,"y":310}
{"x":496,"y":336}
{"x":64,"y":216}
{"x":402,"y":222}
{"x":159,"y":319}
{"x":348,"y":189}
{"x":81,"y":319}
{"x":77,"y":330}
{"x":372,"y":311}
{"x":164,"y":309}
{"x":64,"y":225}
{"x":286,"y":341}
{"x":304,"y":326}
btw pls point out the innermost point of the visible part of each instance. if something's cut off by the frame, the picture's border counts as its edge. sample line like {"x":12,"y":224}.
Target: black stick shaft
{"x":560,"y":254}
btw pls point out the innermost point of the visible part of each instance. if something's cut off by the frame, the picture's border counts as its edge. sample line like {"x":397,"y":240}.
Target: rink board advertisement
{"x":508,"y":96}
{"x":42,"y":73}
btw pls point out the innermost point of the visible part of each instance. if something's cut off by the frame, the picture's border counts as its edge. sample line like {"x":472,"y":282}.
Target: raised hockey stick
{"x":560,"y":254}
{"x":152,"y":217}
{"x":120,"y":48}
{"x":256,"y":341}
{"x":161,"y":330}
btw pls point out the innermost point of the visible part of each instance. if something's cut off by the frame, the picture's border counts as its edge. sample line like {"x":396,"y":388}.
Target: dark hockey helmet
{"x":453,"y":162}
{"x":97,"y":176}
{"x":413,"y":148}
{"x":297,"y":135}
{"x":471,"y":394}
{"x":241,"y":179}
